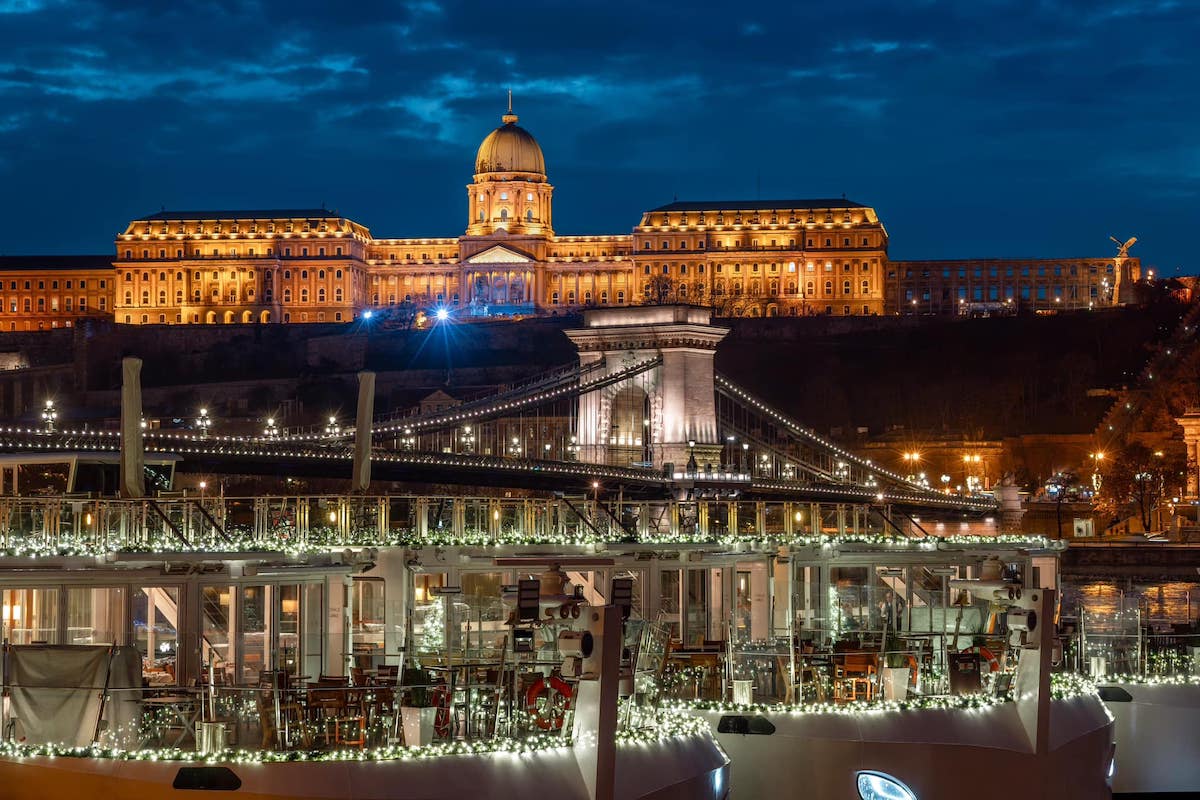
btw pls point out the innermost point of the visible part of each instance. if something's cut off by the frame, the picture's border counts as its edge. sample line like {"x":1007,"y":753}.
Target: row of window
{"x":755,"y":219}
{"x":863,"y":266}
{"x":683,"y":244}
{"x":233,"y":275}
{"x":233,"y":227}
{"x":230,"y":252}
{"x":996,"y":293}
{"x":1009,"y":272}
{"x":26,"y":304}
{"x":82,"y":284}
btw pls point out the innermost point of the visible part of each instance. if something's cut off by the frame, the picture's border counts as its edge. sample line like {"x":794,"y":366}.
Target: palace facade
{"x":744,"y":258}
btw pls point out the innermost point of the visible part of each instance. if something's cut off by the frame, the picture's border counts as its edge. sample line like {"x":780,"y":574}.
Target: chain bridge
{"x":642,"y":415}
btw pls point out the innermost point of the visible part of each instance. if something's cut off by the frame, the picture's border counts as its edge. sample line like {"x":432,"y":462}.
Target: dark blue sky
{"x":982,"y":128}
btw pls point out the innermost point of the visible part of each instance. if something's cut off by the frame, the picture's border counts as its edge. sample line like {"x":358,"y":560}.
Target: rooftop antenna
{"x":510,"y":101}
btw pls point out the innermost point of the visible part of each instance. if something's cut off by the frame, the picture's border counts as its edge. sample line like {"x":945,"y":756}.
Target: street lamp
{"x":203,"y":422}
{"x":203,"y":486}
{"x":970,"y":478}
{"x":49,"y":416}
{"x":468,"y":439}
{"x":595,"y":491}
{"x":332,"y":429}
{"x":745,"y":457}
{"x":692,"y":466}
{"x":1097,"y":463}
{"x":272,"y":430}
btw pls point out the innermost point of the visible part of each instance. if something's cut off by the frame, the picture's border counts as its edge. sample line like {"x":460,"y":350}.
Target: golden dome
{"x":510,"y":148}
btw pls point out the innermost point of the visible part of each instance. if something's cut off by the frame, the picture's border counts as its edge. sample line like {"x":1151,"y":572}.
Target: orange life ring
{"x":985,"y":655}
{"x":555,"y":695}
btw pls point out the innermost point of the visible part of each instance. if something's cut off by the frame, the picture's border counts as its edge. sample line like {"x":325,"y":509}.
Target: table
{"x":183,"y":707}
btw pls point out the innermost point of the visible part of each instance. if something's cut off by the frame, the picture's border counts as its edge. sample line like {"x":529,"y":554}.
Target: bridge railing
{"x":88,"y":527}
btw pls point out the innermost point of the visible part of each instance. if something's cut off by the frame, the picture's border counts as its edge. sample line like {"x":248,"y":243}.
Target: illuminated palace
{"x":744,"y":258}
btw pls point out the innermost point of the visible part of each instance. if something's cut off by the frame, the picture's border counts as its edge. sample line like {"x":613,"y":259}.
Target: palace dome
{"x":510,"y":148}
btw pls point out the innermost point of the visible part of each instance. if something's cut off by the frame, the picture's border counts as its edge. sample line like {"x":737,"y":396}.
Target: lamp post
{"x":1097,"y":464}
{"x":332,"y":429}
{"x":745,"y":461}
{"x":49,"y":416}
{"x":970,"y":479}
{"x":692,"y":467}
{"x":910,"y":463}
{"x":468,"y":439}
{"x":203,"y":422}
{"x":272,"y":430}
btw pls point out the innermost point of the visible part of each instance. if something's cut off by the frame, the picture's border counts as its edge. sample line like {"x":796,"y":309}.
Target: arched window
{"x":504,"y":213}
{"x":338,"y":274}
{"x":321,"y":274}
{"x":178,"y":276}
{"x":866,"y":287}
{"x":554,"y":298}
{"x":321,"y":295}
{"x":162,"y":276}
{"x":808,"y":288}
{"x":162,"y":297}
{"x":828,"y":287}
{"x":304,"y":295}
{"x":128,"y":300}
{"x":682,"y":290}
{"x":845,"y":287}
{"x":529,"y":215}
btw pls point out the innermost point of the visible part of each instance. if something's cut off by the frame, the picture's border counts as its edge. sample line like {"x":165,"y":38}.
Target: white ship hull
{"x":691,"y":768}
{"x":939,"y":754}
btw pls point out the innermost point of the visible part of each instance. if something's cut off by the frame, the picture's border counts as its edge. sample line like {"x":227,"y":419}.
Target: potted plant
{"x":416,"y":707}
{"x":897,"y":670}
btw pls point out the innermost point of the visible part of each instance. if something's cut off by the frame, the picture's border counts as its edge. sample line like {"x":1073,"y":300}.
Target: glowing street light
{"x":272,"y":430}
{"x":49,"y":416}
{"x":442,"y":315}
{"x":332,"y":429}
{"x":203,"y":422}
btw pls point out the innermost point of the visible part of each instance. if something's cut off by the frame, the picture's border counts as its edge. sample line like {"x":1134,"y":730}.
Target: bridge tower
{"x":665,"y":415}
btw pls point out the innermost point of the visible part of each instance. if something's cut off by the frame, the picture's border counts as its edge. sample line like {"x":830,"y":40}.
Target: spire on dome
{"x":510,"y":118}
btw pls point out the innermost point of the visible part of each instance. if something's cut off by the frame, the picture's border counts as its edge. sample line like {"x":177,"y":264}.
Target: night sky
{"x":981,"y":128}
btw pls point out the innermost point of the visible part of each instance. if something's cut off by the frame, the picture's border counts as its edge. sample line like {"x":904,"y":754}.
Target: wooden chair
{"x":327,"y":703}
{"x":279,"y":713}
{"x":854,"y":676}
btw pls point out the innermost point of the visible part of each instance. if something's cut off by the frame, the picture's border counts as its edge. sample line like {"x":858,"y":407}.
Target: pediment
{"x":499,"y":254}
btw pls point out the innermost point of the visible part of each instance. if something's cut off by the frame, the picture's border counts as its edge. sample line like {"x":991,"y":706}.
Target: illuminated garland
{"x":964,"y":702}
{"x":322,"y":539}
{"x":1151,"y":680}
{"x":655,"y":725}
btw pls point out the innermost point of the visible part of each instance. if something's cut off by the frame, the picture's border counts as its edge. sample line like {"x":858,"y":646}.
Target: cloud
{"x":109,"y":107}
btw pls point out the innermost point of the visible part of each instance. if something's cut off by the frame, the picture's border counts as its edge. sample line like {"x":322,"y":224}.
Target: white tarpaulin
{"x":55,"y":692}
{"x":123,"y":709}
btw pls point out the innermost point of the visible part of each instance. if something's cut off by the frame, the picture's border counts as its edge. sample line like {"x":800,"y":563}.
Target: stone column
{"x":1190,"y":422}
